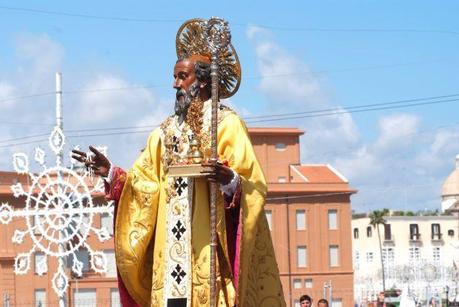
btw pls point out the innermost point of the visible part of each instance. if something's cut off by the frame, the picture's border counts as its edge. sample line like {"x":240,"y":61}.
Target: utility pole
{"x":330,"y":292}
{"x":328,"y":285}
{"x":447,"y":295}
{"x":60,"y":162}
{"x":6,"y":300}
{"x":325,"y":290}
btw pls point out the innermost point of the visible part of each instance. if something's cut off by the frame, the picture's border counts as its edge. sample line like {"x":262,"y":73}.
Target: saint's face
{"x":184,"y":75}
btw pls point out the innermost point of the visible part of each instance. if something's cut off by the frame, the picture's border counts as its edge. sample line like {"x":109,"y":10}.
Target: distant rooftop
{"x":314,"y":178}
{"x":274,"y":130}
{"x":316,"y":173}
{"x":400,"y":214}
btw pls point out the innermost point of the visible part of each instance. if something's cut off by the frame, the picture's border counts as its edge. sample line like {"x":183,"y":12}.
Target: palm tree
{"x":376,"y":219}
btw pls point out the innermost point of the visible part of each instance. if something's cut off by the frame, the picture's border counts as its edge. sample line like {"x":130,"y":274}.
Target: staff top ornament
{"x":201,"y":38}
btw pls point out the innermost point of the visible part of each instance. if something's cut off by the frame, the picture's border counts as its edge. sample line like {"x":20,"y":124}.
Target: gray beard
{"x":183,"y":100}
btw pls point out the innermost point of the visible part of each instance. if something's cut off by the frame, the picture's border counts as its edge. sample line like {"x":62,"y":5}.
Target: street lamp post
{"x":447,"y":295}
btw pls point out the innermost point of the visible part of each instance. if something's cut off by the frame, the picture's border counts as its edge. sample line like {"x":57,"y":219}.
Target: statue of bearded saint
{"x":162,"y":227}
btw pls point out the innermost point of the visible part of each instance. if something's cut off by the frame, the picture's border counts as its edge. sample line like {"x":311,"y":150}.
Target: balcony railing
{"x":437,"y":237}
{"x":415,"y":237}
{"x":389,"y":239}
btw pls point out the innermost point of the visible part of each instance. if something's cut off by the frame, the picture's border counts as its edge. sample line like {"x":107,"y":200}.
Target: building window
{"x":297,"y":303}
{"x":336,"y":302}
{"x":83,"y":227}
{"x":451,"y":233}
{"x":369,"y":232}
{"x":107,"y":221}
{"x":334,"y":255}
{"x":37,"y":220}
{"x":281,"y":146}
{"x":301,"y":254}
{"x":269,"y":218}
{"x":281,"y":179}
{"x":356,"y":259}
{"x":308,"y":283}
{"x":84,"y":297}
{"x":83,"y":256}
{"x":356,"y":233}
{"x":40,"y":264}
{"x":332,"y":219}
{"x":388,"y":256}
{"x":415,"y":254}
{"x":111,"y":263}
{"x":114,"y":298}
{"x":369,"y":257}
{"x":436,"y":254}
{"x":436,"y":233}
{"x":40,"y":298}
{"x":297,"y":283}
{"x":387,"y":232}
{"x":414,"y":232}
{"x":300,"y":219}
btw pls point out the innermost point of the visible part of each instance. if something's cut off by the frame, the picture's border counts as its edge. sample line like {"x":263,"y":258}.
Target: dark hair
{"x":202,"y":71}
{"x":322,"y":300}
{"x":305,"y":298}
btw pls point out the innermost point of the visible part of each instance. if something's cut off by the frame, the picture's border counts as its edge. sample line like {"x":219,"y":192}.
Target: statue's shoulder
{"x":166,"y":124}
{"x":224,"y":111}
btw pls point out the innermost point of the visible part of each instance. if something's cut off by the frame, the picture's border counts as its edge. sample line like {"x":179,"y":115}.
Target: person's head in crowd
{"x":305,"y":301}
{"x":322,"y":303}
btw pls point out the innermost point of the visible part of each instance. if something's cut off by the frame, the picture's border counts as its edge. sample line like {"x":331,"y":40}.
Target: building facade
{"x":420,"y":254}
{"x":308,"y":210}
{"x":309,"y":214}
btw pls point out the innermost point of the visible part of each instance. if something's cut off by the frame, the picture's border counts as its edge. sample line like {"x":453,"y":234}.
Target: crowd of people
{"x":306,"y":301}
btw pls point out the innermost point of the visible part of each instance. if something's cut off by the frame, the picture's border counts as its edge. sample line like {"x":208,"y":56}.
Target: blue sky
{"x":296,"y":56}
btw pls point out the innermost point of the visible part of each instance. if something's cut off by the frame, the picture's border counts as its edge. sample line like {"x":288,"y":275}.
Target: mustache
{"x":180,"y":93}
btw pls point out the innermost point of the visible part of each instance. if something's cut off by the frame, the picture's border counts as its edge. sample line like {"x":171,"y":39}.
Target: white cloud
{"x":445,"y":142}
{"x":402,"y":167}
{"x":7,"y":91}
{"x":395,"y":131}
{"x":253,"y":30}
{"x":290,"y":86}
{"x":36,"y":60}
{"x":374,"y":161}
{"x":360,"y":164}
{"x":283,"y":74}
{"x":121,"y":104}
{"x":157,"y":115}
{"x":112,"y":100}
{"x":39,"y":58}
{"x":437,"y":156}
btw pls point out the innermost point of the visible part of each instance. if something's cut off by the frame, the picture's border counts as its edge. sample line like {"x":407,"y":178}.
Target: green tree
{"x":376,"y":219}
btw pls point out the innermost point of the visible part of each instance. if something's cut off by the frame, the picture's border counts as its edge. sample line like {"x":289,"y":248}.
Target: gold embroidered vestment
{"x":141,"y":239}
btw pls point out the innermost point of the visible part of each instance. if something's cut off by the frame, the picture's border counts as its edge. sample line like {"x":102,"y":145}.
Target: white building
{"x":418,"y":252}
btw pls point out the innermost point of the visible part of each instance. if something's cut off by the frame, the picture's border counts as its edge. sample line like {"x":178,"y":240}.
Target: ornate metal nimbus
{"x":207,"y":38}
